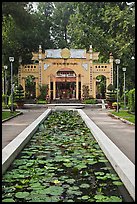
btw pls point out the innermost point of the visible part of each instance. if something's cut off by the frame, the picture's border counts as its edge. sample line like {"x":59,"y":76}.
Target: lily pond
{"x":62,"y":163}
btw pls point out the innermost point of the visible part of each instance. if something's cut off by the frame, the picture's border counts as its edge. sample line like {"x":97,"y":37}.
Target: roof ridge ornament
{"x":65,"y":53}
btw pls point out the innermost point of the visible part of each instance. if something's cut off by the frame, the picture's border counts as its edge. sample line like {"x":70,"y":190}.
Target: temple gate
{"x":66,"y":71}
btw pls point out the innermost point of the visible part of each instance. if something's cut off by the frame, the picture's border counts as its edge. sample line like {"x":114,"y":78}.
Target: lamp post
{"x":5,"y":68}
{"x":117,"y":61}
{"x":124,"y":70}
{"x":11,"y":59}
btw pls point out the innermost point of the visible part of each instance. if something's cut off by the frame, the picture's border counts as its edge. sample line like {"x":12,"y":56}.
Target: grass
{"x":8,"y":114}
{"x":41,"y":102}
{"x":125,"y":115}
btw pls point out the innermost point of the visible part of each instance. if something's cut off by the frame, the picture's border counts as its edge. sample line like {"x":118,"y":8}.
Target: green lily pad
{"x":22,"y":194}
{"x":70,"y":180}
{"x":8,"y":200}
{"x":85,"y":197}
{"x":57,"y":165}
{"x":54,"y":190}
{"x":84,"y":185}
{"x":117,"y":183}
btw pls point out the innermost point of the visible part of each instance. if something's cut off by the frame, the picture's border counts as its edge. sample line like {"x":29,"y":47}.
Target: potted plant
{"x":19,"y":96}
{"x":114,"y":105}
{"x":110,"y":96}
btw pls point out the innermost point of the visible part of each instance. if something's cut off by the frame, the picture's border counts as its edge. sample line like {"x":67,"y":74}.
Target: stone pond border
{"x":15,"y":146}
{"x":122,"y":165}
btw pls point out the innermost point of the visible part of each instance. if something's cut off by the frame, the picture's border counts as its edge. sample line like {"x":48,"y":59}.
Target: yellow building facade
{"x":66,"y":72}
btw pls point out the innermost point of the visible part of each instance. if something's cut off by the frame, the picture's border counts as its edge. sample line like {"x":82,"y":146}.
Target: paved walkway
{"x":122,"y":134}
{"x":14,"y":126}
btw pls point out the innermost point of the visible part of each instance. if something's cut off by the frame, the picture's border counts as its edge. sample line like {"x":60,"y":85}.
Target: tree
{"x":110,"y":95}
{"x":19,"y":96}
{"x":109,"y":27}
{"x":43,"y":92}
{"x":15,"y":19}
{"x":30,"y":87}
{"x":60,"y":19}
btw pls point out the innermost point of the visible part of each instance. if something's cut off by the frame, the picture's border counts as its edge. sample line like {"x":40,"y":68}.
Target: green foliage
{"x":42,"y":101}
{"x":110,"y":87}
{"x":3,"y":98}
{"x":43,"y":91}
{"x":8,"y":114}
{"x":90,"y":101}
{"x":111,"y":93}
{"x":60,"y":20}
{"x":115,"y":104}
{"x":108,"y":26}
{"x":125,"y":115}
{"x":59,"y":163}
{"x":16,"y":22}
{"x":131,"y":100}
{"x":30,"y":86}
{"x":19,"y":94}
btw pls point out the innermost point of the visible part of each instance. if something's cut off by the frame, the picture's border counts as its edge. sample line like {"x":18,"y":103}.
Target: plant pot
{"x":20,"y":104}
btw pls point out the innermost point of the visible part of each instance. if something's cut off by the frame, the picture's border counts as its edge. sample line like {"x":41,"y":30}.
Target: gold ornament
{"x":65,"y":53}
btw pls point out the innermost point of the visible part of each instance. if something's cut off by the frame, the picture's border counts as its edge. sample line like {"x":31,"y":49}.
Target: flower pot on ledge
{"x":19,"y":96}
{"x":114,"y":106}
{"x":20,"y":104}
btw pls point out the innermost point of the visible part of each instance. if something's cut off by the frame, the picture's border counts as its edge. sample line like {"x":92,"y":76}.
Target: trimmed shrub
{"x":90,"y":101}
{"x":131,"y":100}
{"x":19,"y":94}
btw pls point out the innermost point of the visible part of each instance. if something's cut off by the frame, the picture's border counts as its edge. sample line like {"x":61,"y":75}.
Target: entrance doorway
{"x":65,"y":90}
{"x":65,"y":84}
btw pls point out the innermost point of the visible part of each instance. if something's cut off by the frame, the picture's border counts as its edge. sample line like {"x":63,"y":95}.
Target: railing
{"x":66,"y":75}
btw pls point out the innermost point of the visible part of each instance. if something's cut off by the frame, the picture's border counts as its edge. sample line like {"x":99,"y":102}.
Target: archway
{"x":65,"y":84}
{"x":30,"y":87}
{"x":100,"y":87}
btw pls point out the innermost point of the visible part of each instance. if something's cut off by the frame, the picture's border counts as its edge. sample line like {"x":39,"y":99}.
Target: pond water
{"x":62,"y":163}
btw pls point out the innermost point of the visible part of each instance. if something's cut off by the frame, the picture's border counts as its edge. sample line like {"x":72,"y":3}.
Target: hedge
{"x":131,"y":100}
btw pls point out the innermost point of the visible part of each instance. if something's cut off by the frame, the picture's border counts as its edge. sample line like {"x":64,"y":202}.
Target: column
{"x":81,"y":87}
{"x":76,"y":86}
{"x":107,"y":82}
{"x":94,"y":87}
{"x":54,"y":89}
{"x":111,"y":68}
{"x":49,"y":87}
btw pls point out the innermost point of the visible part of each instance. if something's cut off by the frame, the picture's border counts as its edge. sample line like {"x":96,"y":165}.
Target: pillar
{"x":54,"y":89}
{"x":49,"y":87}
{"x":76,"y":86}
{"x":94,"y":87}
{"x":40,"y":65}
{"x":81,"y":87}
{"x":111,"y":67}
